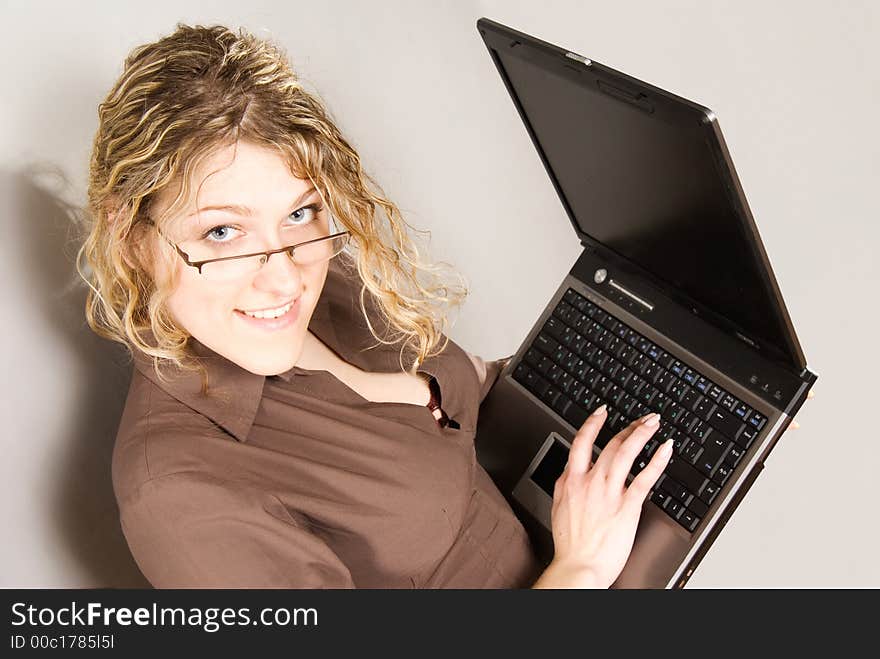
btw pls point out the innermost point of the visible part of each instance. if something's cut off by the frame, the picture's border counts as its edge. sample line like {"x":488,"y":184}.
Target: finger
{"x":582,"y":447}
{"x":810,"y":394}
{"x":794,"y":425}
{"x":630,"y":449}
{"x":606,"y":456}
{"x":640,"y":486}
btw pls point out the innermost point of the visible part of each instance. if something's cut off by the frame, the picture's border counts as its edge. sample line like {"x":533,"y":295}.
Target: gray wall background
{"x":796,"y":90}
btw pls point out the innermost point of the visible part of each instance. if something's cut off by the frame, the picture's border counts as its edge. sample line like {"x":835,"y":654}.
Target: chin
{"x":272,"y":365}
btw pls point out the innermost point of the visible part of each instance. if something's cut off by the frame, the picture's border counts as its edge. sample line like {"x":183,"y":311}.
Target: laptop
{"x":671,"y":307}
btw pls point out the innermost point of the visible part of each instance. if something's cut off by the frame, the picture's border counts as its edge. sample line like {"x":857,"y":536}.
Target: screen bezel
{"x":668,"y":107}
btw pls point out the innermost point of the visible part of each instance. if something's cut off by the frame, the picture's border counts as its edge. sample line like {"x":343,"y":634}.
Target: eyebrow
{"x":244,"y":210}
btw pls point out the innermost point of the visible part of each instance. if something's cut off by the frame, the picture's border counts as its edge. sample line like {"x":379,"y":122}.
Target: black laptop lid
{"x":645,"y":174}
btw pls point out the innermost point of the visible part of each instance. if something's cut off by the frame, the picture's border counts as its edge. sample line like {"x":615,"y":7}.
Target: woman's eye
{"x":216,"y":234}
{"x":305,"y":214}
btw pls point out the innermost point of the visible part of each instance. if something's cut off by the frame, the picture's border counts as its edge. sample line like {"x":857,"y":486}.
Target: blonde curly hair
{"x":177,"y":101}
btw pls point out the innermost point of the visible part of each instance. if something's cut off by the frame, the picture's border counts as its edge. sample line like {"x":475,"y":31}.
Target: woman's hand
{"x":594,"y":516}
{"x":794,"y":425}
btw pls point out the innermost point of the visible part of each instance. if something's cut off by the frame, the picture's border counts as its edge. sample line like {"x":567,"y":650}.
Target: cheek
{"x":197,"y":306}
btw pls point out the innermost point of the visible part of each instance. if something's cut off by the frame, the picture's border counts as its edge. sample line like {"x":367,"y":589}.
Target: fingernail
{"x":599,"y":410}
{"x":666,"y":448}
{"x":652,"y":419}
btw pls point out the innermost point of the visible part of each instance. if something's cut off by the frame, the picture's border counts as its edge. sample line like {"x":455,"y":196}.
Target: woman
{"x":296,"y":416}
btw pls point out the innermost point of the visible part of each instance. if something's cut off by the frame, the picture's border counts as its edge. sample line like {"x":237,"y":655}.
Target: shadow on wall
{"x":84,"y":508}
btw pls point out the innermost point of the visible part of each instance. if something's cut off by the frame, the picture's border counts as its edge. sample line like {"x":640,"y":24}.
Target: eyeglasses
{"x":230,"y":268}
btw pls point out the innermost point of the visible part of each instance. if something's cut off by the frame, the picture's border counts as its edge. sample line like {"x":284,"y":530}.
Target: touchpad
{"x":535,"y":488}
{"x":550,"y":467}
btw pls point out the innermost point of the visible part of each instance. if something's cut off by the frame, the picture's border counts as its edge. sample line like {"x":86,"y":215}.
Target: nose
{"x":280,"y":276}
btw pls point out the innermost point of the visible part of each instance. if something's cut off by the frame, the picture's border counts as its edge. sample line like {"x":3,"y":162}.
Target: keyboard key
{"x":533,"y":356}
{"x":640,"y":363}
{"x":716,"y":392}
{"x":665,"y":360}
{"x":701,"y":431}
{"x":677,"y":368}
{"x":690,"y":376}
{"x":698,"y":507}
{"x":709,"y":492}
{"x":561,"y":403}
{"x":554,"y":327}
{"x":722,"y":474}
{"x":710,"y":457}
{"x":613,"y":421}
{"x":544,"y":365}
{"x":687,"y":422}
{"x":550,"y":395}
{"x":679,"y":441}
{"x":675,"y":412}
{"x":545,"y":343}
{"x":685,"y":474}
{"x":692,"y":452}
{"x":674,"y":488}
{"x":615,"y":396}
{"x":622,"y":376}
{"x":660,"y":497}
{"x":628,"y":406}
{"x":725,"y":423}
{"x":734,"y":455}
{"x":664,"y":381}
{"x":662,"y":402}
{"x":565,"y":383}
{"x":654,"y":352}
{"x":704,"y":408}
{"x":757,"y":421}
{"x":742,"y":411}
{"x":576,"y":416}
{"x":635,"y":385}
{"x":646,"y":394}
{"x":702,"y":384}
{"x":746,"y":437}
{"x":678,"y":391}
{"x":688,"y":520}
{"x":674,"y":508}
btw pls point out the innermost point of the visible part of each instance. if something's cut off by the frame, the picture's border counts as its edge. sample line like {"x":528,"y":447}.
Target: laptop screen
{"x":649,"y":188}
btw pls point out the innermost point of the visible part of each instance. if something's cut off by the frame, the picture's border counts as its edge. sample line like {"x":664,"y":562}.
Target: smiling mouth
{"x":269,"y":313}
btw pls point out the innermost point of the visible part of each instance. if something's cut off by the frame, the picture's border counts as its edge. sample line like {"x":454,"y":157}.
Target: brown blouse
{"x":297,"y":481}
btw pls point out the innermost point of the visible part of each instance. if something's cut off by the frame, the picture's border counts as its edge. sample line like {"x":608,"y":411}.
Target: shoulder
{"x":158,"y":435}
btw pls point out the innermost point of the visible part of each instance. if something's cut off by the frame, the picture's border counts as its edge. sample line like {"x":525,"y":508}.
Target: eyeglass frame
{"x":199,"y":264}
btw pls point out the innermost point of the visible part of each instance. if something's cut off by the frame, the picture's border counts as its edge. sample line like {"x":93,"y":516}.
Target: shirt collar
{"x":234,"y":393}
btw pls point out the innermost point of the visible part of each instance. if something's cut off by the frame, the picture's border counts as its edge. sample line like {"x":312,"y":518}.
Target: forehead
{"x":241,"y":174}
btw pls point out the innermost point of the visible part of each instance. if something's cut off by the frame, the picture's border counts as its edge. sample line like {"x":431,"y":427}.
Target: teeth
{"x":270,"y":313}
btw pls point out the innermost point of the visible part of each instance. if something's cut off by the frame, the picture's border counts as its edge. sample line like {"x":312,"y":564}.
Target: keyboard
{"x":584,"y":357}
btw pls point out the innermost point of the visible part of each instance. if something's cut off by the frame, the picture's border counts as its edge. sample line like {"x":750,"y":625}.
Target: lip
{"x":273,"y":324}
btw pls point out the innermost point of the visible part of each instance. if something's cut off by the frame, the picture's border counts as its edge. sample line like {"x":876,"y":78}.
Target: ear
{"x":137,"y":250}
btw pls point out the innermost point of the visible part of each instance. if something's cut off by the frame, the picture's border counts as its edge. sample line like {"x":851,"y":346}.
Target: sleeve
{"x":488,"y":372}
{"x":190,"y":530}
